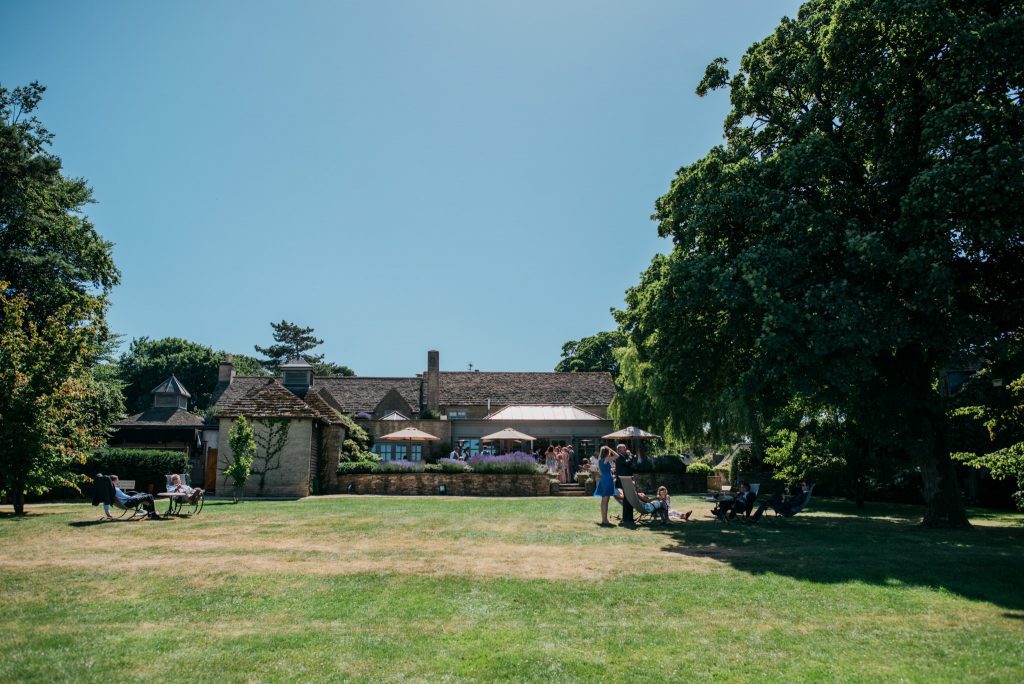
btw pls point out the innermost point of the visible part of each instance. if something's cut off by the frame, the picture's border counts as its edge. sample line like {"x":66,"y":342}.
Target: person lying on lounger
{"x":144,"y":500}
{"x":782,"y":506}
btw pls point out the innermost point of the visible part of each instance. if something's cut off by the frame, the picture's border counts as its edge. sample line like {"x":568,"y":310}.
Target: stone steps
{"x":572,"y":489}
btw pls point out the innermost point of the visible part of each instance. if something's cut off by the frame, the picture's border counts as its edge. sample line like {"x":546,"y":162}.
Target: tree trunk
{"x":943,"y":504}
{"x":944,"y":507}
{"x":19,"y":500}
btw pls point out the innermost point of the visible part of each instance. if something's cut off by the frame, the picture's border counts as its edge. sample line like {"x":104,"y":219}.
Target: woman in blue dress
{"x":605,"y":485}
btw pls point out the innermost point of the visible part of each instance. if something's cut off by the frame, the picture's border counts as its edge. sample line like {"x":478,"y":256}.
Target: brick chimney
{"x":226,"y":370}
{"x":433,"y":380}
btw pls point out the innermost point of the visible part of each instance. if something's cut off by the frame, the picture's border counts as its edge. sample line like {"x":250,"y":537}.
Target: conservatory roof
{"x":542,"y":412}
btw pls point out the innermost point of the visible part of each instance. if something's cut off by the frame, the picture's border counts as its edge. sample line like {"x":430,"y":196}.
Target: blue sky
{"x":473,"y":177}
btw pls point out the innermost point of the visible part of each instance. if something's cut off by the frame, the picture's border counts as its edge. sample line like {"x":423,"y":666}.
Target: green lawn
{"x":448,"y":589}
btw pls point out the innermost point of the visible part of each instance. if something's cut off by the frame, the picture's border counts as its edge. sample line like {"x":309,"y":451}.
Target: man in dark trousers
{"x":624,"y":468}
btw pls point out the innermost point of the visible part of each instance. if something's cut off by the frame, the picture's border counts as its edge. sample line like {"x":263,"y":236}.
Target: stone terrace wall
{"x":457,"y":484}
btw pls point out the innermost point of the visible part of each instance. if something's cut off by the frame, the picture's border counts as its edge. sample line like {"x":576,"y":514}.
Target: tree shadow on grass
{"x":882,"y":544}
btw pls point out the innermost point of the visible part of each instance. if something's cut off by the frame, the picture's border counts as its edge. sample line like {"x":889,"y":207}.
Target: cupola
{"x":297,"y":376}
{"x":170,"y":393}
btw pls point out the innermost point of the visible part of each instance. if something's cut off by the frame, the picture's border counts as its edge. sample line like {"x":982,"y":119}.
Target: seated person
{"x":724,"y":501}
{"x":737,"y":505}
{"x":176,"y":485}
{"x":661,"y":503}
{"x":784,"y":507}
{"x":145,"y":500}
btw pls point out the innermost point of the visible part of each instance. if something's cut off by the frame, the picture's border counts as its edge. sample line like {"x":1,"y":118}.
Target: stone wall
{"x":457,"y":484}
{"x":293,"y":478}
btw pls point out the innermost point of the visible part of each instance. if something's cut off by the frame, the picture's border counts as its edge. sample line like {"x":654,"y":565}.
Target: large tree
{"x":147,"y":363}
{"x":292,"y":341}
{"x":47,"y":395}
{"x":858,"y":231}
{"x":594,"y":353}
{"x":55,"y":274}
{"x":49,"y":250}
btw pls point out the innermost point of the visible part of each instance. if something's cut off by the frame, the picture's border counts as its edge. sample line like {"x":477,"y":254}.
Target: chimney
{"x":433,"y":380}
{"x":226,"y":370}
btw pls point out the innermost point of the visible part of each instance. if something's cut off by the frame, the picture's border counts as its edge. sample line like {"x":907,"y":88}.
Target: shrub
{"x":400,"y":466}
{"x":451,"y":465}
{"x":145,"y":466}
{"x":355,"y":467}
{"x":516,"y":462}
{"x":698,"y":468}
{"x":356,"y":446}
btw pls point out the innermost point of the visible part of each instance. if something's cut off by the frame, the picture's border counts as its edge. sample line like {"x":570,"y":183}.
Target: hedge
{"x":355,"y":467}
{"x":145,"y":466}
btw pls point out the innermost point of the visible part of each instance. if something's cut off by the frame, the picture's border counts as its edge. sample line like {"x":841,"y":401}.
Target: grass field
{"x":448,"y":589}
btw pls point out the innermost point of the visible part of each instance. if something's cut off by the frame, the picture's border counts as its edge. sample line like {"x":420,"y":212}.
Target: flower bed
{"x":455,"y":484}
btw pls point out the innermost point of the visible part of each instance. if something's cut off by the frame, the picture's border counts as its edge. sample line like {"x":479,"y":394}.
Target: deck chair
{"x":185,"y":506}
{"x":798,"y":509}
{"x":103,"y":493}
{"x":754,"y":489}
{"x":629,"y":493}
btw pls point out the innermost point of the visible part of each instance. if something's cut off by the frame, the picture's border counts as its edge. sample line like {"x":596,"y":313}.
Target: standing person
{"x":605,"y":485}
{"x":549,"y":459}
{"x":571,"y":460}
{"x":624,"y":468}
{"x":563,"y":465}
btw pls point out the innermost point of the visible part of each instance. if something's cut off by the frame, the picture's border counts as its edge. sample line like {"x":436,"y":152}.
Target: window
{"x":456,"y":415}
{"x":398,"y":452}
{"x":390,"y":452}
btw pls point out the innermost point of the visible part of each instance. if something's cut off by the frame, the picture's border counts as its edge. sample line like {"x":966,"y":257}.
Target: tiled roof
{"x":466,"y":388}
{"x":318,"y":400}
{"x":356,"y":393}
{"x":163,"y":416}
{"x":259,"y":398}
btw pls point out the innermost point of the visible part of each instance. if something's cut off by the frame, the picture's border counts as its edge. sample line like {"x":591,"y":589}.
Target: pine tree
{"x":291,"y":341}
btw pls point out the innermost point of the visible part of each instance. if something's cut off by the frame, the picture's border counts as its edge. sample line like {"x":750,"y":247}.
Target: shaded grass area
{"x":371,"y":589}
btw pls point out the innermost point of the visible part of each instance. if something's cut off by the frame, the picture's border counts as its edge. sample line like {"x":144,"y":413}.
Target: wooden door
{"x":210,"y":475}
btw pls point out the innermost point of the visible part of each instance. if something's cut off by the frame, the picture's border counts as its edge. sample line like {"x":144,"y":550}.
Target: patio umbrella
{"x":632,"y":433}
{"x":510,"y":434}
{"x":409,"y":434}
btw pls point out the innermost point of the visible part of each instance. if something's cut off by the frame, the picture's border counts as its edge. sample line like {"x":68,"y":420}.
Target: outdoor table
{"x":171,"y":496}
{"x":720,"y":498}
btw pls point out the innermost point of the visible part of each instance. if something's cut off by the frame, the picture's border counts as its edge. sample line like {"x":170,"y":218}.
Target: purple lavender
{"x":515,"y":462}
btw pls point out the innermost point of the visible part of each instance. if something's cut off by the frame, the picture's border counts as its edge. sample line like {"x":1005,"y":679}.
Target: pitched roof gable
{"x":259,"y":398}
{"x":356,"y":393}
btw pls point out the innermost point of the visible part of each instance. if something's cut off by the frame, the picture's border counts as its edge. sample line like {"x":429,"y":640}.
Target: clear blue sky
{"x":473,"y":177}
